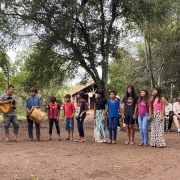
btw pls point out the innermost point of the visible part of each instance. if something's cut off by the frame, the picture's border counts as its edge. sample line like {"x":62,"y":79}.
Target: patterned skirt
{"x":157,"y":130}
{"x":100,"y":128}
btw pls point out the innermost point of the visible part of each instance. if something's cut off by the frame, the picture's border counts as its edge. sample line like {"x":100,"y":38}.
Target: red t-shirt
{"x":68,"y":109}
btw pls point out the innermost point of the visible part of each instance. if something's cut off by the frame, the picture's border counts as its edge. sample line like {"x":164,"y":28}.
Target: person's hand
{"x":123,"y":117}
{"x":134,"y":117}
{"x":57,"y":119}
{"x":13,"y":106}
{"x":7,"y":102}
{"x":166,"y":117}
{"x":48,"y":120}
{"x":72,"y":117}
{"x":94,"y":117}
{"x":178,"y":116}
{"x":64,"y":118}
{"x":149,"y":118}
{"x":80,"y":115}
{"x":104,"y":118}
{"x":161,"y":118}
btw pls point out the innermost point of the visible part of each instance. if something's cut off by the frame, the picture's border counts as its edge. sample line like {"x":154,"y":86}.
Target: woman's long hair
{"x":146,"y":98}
{"x":133,"y":94}
{"x":101,"y":92}
{"x":159,"y":94}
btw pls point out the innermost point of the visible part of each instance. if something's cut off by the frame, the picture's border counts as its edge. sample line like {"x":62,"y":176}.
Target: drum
{"x":37,"y":115}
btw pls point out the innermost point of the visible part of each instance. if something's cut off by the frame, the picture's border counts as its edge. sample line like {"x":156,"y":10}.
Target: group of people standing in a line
{"x":155,"y":110}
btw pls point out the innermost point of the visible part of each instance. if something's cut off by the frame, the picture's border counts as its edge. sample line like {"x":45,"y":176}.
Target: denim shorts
{"x":69,"y":124}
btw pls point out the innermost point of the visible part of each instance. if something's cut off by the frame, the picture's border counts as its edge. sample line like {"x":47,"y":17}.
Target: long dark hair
{"x":101,"y":92}
{"x":133,"y":94}
{"x":146,"y":98}
{"x":159,"y":94}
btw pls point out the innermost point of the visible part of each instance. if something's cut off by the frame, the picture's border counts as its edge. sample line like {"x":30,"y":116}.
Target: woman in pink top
{"x":157,"y":125}
{"x":144,"y":116}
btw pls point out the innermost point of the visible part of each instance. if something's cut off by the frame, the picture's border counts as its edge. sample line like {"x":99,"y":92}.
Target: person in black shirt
{"x":100,"y":125}
{"x":81,"y":110}
{"x":129,"y":112}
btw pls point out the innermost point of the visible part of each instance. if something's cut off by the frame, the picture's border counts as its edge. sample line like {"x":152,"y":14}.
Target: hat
{"x":117,"y":97}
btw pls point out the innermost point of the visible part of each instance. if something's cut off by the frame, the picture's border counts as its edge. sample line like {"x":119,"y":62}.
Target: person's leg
{"x":50,"y":128}
{"x":58,"y":129}
{"x":71,"y":127}
{"x":110,"y":129}
{"x":15,"y":123}
{"x":38,"y":134}
{"x":164,"y":124}
{"x":169,"y":124}
{"x":176,"y":121}
{"x":126,"y":121}
{"x":140,"y":121}
{"x":67,"y":128}
{"x":115,"y":122}
{"x":7,"y":121}
{"x":78,"y":125}
{"x":145,"y":127}
{"x":81,"y":128}
{"x":132,"y":131}
{"x":30,"y":129}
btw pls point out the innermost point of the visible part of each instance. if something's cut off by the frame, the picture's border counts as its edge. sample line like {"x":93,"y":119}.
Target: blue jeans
{"x":113,"y":121}
{"x":143,"y":127}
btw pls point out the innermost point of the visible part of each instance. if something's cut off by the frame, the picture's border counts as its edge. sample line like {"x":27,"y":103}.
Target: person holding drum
{"x":32,"y":102}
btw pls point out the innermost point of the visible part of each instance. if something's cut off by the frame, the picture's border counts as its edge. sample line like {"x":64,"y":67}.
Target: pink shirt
{"x":143,"y":107}
{"x":158,"y":105}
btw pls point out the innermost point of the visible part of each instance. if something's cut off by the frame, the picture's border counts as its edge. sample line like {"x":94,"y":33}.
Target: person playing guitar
{"x":10,"y":116}
{"x":32,"y":102}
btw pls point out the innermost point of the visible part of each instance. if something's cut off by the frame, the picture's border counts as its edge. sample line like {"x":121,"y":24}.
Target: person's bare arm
{"x":94,"y":110}
{"x":123,"y":107}
{"x":5,"y":102}
{"x":105,"y":112}
{"x":150,"y":111}
{"x":163,"y":109}
{"x":135,"y":112}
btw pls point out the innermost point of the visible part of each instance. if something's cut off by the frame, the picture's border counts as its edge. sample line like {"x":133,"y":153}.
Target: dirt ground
{"x":54,"y":160}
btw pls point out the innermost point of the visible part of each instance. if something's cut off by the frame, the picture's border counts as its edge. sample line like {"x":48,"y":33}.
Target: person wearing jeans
{"x":113,"y":109}
{"x":144,"y":116}
{"x":143,"y":127}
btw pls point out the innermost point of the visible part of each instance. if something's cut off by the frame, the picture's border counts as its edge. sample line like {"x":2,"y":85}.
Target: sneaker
{"x":118,"y":128}
{"x":124,"y":129}
{"x":169,"y":130}
{"x":178,"y":130}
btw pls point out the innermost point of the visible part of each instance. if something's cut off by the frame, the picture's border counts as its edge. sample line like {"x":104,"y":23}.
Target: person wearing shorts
{"x":129,"y":113}
{"x":69,"y":110}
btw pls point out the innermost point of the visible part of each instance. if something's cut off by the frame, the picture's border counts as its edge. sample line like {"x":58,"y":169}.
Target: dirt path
{"x":54,"y":160}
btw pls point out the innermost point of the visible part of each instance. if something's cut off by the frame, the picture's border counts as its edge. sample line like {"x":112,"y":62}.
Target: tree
{"x":83,"y":33}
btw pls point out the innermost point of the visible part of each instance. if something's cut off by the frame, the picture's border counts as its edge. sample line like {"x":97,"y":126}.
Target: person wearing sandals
{"x":157,"y":124}
{"x":144,"y":110}
{"x":11,"y":116}
{"x":69,"y":109}
{"x":81,"y":110}
{"x":53,"y":117}
{"x":113,"y":109}
{"x":100,"y":125}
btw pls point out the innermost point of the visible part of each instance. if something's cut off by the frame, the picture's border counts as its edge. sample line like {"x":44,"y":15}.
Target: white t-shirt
{"x":168,"y":108}
{"x":176,"y":107}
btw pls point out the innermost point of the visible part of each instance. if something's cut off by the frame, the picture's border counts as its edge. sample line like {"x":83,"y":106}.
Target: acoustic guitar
{"x":6,"y":107}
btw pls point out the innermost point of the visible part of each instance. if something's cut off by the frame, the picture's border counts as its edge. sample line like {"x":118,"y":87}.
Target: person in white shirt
{"x":176,"y":110}
{"x":168,"y":115}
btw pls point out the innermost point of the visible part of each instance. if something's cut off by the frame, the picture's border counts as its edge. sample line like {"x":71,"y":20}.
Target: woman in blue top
{"x":113,"y":109}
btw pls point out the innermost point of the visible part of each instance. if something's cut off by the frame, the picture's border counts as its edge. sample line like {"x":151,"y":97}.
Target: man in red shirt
{"x":69,"y":110}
